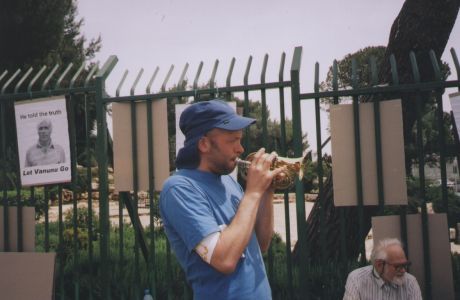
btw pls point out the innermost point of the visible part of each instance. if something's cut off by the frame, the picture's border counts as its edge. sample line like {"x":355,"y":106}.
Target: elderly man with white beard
{"x":386,"y":278}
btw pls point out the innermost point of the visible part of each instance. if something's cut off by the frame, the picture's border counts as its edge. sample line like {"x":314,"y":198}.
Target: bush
{"x":324,"y":281}
{"x":82,"y":223}
{"x":124,"y":281}
{"x":434,"y":194}
{"x":82,"y":220}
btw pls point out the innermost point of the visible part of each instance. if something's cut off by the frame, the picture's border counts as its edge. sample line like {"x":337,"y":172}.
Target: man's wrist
{"x":253,"y":196}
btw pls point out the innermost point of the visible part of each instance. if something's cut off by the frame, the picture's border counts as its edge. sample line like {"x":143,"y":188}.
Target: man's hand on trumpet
{"x":259,"y":174}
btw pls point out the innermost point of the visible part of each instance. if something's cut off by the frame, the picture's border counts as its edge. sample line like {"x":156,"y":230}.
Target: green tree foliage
{"x":344,"y":66}
{"x":46,"y":32}
{"x":430,"y":135}
{"x":36,"y":34}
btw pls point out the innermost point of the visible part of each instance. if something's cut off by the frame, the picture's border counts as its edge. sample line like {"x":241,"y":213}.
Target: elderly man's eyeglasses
{"x":399,"y":267}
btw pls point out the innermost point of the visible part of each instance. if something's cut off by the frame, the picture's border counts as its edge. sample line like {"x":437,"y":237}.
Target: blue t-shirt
{"x":193,"y":204}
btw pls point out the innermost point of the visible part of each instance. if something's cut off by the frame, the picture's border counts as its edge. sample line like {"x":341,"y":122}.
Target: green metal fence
{"x":108,"y":256}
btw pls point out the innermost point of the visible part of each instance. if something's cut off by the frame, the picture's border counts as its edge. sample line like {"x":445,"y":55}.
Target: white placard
{"x":43,"y":141}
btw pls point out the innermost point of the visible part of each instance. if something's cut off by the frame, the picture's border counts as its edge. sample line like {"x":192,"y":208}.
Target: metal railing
{"x":101,"y":266}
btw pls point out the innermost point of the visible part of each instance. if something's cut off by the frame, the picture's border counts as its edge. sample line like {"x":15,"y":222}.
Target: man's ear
{"x":204,"y":145}
{"x":378,"y":264}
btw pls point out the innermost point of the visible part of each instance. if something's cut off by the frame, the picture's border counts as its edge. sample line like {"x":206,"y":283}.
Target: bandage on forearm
{"x":206,"y":247}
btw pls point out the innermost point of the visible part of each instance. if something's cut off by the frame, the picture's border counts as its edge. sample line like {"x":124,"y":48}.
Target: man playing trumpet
{"x":216,"y":230}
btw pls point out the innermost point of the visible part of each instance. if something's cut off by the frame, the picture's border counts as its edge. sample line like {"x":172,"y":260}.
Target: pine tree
{"x":35,"y":34}
{"x":420,"y":26}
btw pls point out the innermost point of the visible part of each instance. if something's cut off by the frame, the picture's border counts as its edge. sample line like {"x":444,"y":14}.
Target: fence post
{"x":300,"y":198}
{"x":3,"y":108}
{"x":101,"y":152}
{"x":421,"y":167}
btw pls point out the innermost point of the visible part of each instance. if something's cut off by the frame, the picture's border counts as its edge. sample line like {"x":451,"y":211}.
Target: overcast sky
{"x":146,"y":34}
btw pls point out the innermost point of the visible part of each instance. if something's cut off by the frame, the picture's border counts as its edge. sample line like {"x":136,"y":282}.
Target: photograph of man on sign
{"x":44,"y":151}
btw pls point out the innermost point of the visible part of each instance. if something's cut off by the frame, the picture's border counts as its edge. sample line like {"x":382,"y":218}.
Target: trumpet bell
{"x":284,"y":180}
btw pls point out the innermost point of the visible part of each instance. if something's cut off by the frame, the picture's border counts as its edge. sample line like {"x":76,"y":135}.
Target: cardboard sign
{"x":28,"y":228}
{"x":343,"y":154}
{"x":27,"y":275}
{"x":43,"y":141}
{"x":122,"y":145}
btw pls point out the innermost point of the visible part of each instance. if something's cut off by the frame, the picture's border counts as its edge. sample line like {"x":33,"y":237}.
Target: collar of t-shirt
{"x":50,"y":146}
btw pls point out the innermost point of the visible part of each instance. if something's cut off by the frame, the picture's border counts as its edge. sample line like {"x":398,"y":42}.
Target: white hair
{"x":379,"y":252}
{"x":46,"y":122}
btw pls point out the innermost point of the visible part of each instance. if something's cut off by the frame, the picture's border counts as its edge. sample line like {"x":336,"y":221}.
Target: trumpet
{"x":285,"y":179}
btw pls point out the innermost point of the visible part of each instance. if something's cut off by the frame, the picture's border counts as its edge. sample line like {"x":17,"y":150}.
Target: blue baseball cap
{"x":199,"y":118}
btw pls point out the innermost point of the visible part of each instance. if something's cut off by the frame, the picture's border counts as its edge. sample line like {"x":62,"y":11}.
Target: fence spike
{"x":90,"y":74}
{"x":373,"y":68}
{"x":335,"y":72}
{"x":281,"y":72}
{"x":18,"y":85}
{"x":10,"y":80}
{"x":48,"y":78}
{"x":32,"y":82}
{"x":58,"y":82}
{"x":316,"y":85}
{"x":230,"y":72}
{"x":139,"y":75}
{"x":107,"y":67}
{"x":197,"y":75}
{"x":335,"y":80}
{"x":3,"y":74}
{"x":182,"y":76}
{"x":457,"y":65}
{"x":264,"y":69}
{"x":394,"y":70}
{"x":414,"y":65}
{"x":296,"y":59}
{"x":163,"y":86}
{"x":354,"y":77}
{"x":435,"y":64}
{"x":213,"y":74}
{"x":147,"y":90}
{"x":248,"y":68}
{"x":120,"y":84}
{"x":74,"y":78}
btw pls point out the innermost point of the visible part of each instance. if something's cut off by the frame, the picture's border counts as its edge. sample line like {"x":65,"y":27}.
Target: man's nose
{"x":239,"y":149}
